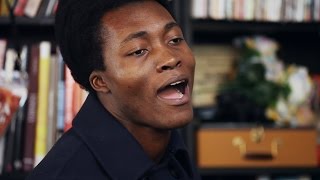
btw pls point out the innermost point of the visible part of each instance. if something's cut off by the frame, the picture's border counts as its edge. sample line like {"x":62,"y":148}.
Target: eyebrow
{"x":170,"y":25}
{"x":140,"y":34}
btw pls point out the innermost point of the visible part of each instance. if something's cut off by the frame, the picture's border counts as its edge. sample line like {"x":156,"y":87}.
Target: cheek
{"x":133,"y":87}
{"x":188,"y":55}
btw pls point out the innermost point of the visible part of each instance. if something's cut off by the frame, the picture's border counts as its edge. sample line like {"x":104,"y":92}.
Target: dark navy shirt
{"x":98,"y":147}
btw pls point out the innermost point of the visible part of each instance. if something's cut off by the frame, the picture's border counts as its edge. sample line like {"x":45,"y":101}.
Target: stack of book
{"x":257,"y":10}
{"x":53,"y":99}
{"x":29,"y":8}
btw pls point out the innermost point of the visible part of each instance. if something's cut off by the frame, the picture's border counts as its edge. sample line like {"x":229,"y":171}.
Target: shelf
{"x":24,"y":21}
{"x":244,"y":125}
{"x":259,"y":171}
{"x":231,"y":26}
{"x":27,"y":28}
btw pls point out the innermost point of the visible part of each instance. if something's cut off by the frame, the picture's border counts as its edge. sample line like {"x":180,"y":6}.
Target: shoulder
{"x":70,"y":158}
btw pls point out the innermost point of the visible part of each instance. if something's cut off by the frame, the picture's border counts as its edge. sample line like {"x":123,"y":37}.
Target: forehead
{"x":139,"y":15}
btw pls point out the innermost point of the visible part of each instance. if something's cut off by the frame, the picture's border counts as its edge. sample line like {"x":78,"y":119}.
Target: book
{"x":61,"y":96}
{"x":4,"y":10}
{"x":316,"y":10}
{"x":9,"y":106}
{"x":238,"y":10}
{"x":229,"y":9}
{"x":50,"y":8}
{"x":9,"y":144}
{"x":19,"y":8}
{"x":69,"y":85}
{"x":2,"y":148}
{"x":32,"y":7}
{"x":3,"y":45}
{"x":299,"y":10}
{"x":273,"y":10}
{"x":42,"y":8}
{"x":18,"y":140}
{"x":259,"y":10}
{"x":217,"y":9}
{"x":42,"y":111}
{"x":13,"y":160}
{"x":214,"y":64}
{"x":52,"y":102}
{"x":31,"y":117}
{"x":78,"y":98}
{"x":248,"y":12}
{"x":20,"y":89}
{"x":199,"y":9}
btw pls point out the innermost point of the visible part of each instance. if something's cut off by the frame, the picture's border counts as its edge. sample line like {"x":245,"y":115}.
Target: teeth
{"x":180,"y":94}
{"x":178,"y":82}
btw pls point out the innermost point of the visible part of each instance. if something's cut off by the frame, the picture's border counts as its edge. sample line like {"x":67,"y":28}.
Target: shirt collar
{"x":113,"y":146}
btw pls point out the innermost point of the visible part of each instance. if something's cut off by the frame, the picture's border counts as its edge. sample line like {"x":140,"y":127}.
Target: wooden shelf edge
{"x":209,"y":25}
{"x":24,"y":21}
{"x":259,"y":171}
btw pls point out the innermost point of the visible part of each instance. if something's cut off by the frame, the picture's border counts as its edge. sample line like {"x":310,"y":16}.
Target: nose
{"x":168,"y":61}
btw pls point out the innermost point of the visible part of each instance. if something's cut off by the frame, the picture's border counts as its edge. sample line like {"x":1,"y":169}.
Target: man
{"x":131,"y":57}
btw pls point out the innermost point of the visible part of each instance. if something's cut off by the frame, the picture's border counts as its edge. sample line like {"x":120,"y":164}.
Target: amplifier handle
{"x":241,"y":144}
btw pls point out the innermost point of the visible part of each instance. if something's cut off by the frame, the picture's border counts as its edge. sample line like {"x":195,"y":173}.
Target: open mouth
{"x":174,"y":91}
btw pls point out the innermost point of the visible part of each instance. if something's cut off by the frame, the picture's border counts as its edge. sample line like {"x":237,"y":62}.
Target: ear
{"x":98,"y":83}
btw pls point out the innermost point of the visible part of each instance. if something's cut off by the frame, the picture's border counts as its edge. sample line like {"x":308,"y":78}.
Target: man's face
{"x":149,"y":67}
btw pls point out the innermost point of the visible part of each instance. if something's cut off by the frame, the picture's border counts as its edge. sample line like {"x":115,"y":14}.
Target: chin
{"x":178,"y":121}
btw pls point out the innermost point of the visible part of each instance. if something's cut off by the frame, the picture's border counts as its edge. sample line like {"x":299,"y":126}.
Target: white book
{"x":217,"y":9}
{"x":3,"y":46}
{"x":273,"y":10}
{"x":316,"y":10}
{"x":199,"y":9}
{"x":49,"y":9}
{"x":228,"y":9}
{"x":299,"y":11}
{"x":11,"y":57}
{"x":248,"y":13}
{"x":32,"y":8}
{"x":259,"y":10}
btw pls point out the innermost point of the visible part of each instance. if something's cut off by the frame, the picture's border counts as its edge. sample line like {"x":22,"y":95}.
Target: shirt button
{"x":173,"y":173}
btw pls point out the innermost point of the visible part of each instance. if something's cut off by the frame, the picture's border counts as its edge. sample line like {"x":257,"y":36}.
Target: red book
{"x":31,"y":118}
{"x":69,"y":114}
{"x":19,"y":8}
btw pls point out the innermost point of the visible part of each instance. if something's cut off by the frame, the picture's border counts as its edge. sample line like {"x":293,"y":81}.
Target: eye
{"x":176,"y":41}
{"x":139,"y":52}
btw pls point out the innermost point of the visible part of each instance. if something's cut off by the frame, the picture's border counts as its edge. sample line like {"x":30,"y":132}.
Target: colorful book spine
{"x":3,"y":45}
{"x":2,"y":149}
{"x":28,"y":157}
{"x":32,"y":7}
{"x":52,"y":105}
{"x":42,"y":110}
{"x":19,"y":8}
{"x":69,"y":84}
{"x":61,"y":96}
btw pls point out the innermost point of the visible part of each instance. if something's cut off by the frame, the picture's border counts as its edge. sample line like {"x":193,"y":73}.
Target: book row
{"x":257,"y":10}
{"x":41,"y":99}
{"x":28,"y":8}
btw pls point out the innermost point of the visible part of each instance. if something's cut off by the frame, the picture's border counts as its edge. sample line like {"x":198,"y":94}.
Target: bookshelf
{"x":23,"y":26}
{"x":300,"y":44}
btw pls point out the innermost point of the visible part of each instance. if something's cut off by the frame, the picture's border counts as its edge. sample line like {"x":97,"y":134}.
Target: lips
{"x":175,"y":92}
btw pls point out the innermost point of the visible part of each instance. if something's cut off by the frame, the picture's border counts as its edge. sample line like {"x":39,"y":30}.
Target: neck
{"x":153,"y":142}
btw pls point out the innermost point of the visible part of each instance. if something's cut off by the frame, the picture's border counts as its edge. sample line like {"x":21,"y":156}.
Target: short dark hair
{"x":78,"y":31}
